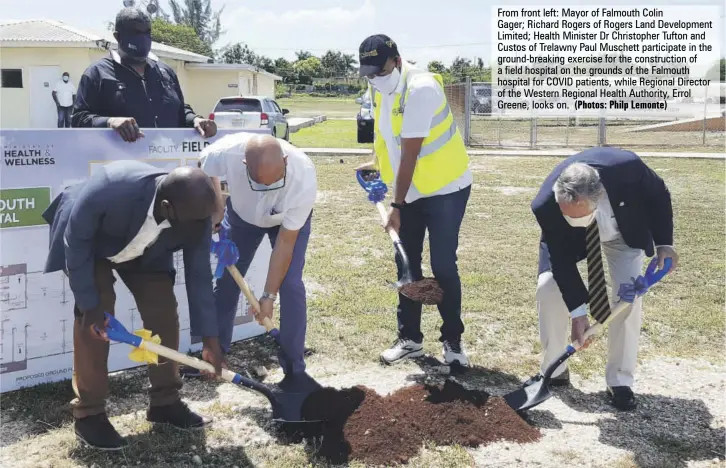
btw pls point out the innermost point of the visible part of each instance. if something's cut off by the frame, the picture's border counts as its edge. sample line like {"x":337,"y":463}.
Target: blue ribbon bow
{"x":628,"y":292}
{"x":226,"y":252}
{"x":375,"y":188}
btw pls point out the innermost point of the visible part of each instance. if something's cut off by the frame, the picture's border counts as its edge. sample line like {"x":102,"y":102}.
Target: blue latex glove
{"x":227,"y":255}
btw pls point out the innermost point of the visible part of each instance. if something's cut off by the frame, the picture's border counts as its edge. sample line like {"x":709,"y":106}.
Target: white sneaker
{"x":454,"y":352}
{"x":402,"y":349}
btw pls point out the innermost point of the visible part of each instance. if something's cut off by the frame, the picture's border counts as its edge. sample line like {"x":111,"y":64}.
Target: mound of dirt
{"x":362,"y":425}
{"x":425,"y":291}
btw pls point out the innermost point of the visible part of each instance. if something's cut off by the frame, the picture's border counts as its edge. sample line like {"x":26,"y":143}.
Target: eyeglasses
{"x":258,"y":187}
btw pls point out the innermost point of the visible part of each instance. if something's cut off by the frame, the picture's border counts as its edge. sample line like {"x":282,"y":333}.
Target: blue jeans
{"x":293,"y":301}
{"x":64,"y":117}
{"x":442,"y":216}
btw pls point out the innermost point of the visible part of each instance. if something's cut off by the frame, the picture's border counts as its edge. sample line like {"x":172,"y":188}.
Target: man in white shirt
{"x":64,"y":95}
{"x":272,"y":188}
{"x":419,"y":149}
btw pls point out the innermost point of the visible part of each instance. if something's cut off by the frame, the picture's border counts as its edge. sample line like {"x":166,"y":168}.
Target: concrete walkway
{"x":563,"y":153}
{"x":296,"y":123}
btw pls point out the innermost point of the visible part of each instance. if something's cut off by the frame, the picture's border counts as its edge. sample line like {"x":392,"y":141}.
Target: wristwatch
{"x":398,"y":206}
{"x":270,"y":296}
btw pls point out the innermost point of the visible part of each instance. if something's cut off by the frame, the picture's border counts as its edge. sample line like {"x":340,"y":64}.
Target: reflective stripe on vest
{"x":443,"y":156}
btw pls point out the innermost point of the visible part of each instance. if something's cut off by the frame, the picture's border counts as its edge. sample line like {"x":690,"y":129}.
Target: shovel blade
{"x":529,"y":396}
{"x":287,"y":404}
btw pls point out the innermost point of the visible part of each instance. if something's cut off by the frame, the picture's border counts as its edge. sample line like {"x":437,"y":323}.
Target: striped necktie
{"x":599,"y":302}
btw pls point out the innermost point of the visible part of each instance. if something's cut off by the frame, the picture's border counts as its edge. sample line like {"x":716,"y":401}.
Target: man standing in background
{"x":64,"y":95}
{"x":131,"y":89}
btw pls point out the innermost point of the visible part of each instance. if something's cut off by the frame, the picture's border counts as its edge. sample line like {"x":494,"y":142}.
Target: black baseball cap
{"x":373,"y":53}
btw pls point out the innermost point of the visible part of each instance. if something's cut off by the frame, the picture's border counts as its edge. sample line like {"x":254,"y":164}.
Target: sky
{"x":424,"y":30}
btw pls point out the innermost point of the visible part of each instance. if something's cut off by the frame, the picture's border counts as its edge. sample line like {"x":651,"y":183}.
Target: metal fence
{"x":700,"y":124}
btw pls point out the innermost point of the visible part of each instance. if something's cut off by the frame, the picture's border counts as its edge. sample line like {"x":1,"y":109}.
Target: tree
{"x":284,"y":68}
{"x":461,"y":68}
{"x":198,"y":14}
{"x":307,"y":69}
{"x":180,"y":36}
{"x":265,"y":63}
{"x":436,"y":66}
{"x":330,"y":63}
{"x":718,"y":70}
{"x":303,"y":54}
{"x":238,"y":53}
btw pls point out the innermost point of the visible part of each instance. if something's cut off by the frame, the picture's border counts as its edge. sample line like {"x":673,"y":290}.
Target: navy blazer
{"x":641,"y":204}
{"x":98,"y":218}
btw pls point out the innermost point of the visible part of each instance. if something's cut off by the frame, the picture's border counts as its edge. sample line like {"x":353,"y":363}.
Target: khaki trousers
{"x":157,"y":306}
{"x":624,"y":263}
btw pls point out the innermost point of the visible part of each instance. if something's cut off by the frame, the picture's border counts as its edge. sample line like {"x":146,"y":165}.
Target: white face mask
{"x":584,"y":221}
{"x":65,"y":78}
{"x":386,"y":84}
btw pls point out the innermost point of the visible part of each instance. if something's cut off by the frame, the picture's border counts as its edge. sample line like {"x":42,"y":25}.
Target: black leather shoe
{"x":622,"y":398}
{"x":189,"y":372}
{"x":177,"y":414}
{"x":97,"y":432}
{"x":561,"y":380}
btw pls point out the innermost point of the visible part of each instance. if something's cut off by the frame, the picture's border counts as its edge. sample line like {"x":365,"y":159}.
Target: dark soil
{"x":425,"y":291}
{"x":380,"y":430}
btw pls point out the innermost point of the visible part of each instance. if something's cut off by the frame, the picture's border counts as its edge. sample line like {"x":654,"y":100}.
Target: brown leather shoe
{"x":97,"y":432}
{"x":177,"y":414}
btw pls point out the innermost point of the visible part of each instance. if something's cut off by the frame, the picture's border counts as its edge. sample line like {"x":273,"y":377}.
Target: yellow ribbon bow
{"x":142,"y":354}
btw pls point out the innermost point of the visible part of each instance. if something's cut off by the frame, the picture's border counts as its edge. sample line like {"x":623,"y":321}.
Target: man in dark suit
{"x":602,"y":199}
{"x":131,"y":217}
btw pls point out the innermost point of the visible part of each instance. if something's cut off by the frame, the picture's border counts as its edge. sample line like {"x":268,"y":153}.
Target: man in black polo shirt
{"x":132,"y":89}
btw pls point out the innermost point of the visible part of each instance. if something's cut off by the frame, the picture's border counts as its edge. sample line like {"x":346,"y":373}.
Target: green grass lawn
{"x":329,"y":134}
{"x":352,"y":318}
{"x":304,"y":106}
{"x":515,"y":134}
{"x":493,"y":132}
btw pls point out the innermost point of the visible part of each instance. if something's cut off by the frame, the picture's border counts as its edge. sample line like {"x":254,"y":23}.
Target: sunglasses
{"x":258,"y":187}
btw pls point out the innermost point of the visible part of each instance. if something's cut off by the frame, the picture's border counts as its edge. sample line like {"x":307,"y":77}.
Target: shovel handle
{"x":652,"y":276}
{"x":191,"y":361}
{"x":239,"y":279}
{"x":182,"y":358}
{"x":595,"y":329}
{"x":384,"y":217}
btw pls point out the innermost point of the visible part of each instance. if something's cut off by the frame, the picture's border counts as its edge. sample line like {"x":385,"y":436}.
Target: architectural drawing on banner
{"x":14,"y":287}
{"x":22,"y":291}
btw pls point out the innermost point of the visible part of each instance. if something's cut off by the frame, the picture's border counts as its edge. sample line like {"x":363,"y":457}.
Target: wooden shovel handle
{"x":384,"y":217}
{"x":239,"y":279}
{"x":182,"y":358}
{"x":595,"y":329}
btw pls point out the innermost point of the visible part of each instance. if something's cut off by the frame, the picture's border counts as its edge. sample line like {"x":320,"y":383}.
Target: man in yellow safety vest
{"x":419,"y":150}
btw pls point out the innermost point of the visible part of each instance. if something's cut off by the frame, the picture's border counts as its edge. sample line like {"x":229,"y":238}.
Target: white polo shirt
{"x":64,"y":92}
{"x":424,"y":99}
{"x":288,"y":206}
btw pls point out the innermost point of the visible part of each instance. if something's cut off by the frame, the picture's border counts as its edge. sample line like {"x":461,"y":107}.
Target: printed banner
{"x":36,"y":309}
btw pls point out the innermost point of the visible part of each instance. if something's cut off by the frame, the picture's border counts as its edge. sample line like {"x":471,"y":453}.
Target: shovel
{"x":227,"y":255}
{"x":286,"y":406}
{"x":530,"y":396}
{"x":376,"y":193}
